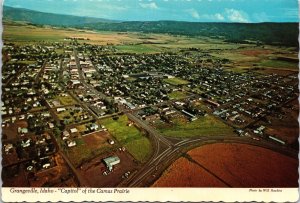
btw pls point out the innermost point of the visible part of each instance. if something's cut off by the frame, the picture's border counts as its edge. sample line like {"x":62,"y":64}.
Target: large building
{"x":111,"y":161}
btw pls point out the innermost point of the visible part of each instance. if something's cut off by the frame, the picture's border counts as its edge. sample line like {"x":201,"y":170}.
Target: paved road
{"x":82,"y":79}
{"x":166,"y":151}
{"x":157,"y":165}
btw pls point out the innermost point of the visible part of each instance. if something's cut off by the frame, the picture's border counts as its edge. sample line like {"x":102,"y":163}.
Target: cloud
{"x":151,"y":5}
{"x":193,"y":13}
{"x":219,"y":17}
{"x":236,"y":15}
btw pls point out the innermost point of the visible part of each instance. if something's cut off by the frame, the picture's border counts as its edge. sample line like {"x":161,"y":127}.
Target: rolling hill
{"x":285,"y":34}
{"x":41,"y":18}
{"x":264,"y":33}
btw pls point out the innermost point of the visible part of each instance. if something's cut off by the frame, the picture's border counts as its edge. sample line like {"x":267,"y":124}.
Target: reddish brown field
{"x":11,"y":132}
{"x":283,"y":72}
{"x":242,"y":165}
{"x":97,"y":139}
{"x":255,"y":52}
{"x":237,"y":165}
{"x":184,"y":173}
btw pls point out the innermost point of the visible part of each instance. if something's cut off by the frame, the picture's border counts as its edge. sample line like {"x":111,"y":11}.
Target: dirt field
{"x":88,"y":146}
{"x":276,"y":71}
{"x":11,"y":132}
{"x":184,"y":173}
{"x":93,"y":170}
{"x":256,"y":52}
{"x":248,"y":166}
{"x":237,"y":165}
{"x":94,"y":140}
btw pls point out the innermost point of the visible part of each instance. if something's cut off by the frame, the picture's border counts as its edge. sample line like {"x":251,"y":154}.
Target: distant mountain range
{"x":41,"y":18}
{"x":262,"y":33}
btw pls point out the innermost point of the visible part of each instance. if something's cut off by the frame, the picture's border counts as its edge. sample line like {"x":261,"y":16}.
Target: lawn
{"x":177,"y":95}
{"x":205,"y":125}
{"x":176,"y":81}
{"x":66,"y":100}
{"x":129,"y":136}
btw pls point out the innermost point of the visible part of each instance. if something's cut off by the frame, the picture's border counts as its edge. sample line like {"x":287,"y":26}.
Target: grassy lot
{"x":129,"y":136}
{"x":139,"y":48}
{"x":81,"y":128}
{"x":279,"y":64}
{"x":130,"y":79}
{"x":176,"y":81}
{"x":177,"y":95}
{"x":66,"y":100}
{"x":22,"y":62}
{"x":59,"y":51}
{"x":140,"y":148}
{"x":82,"y":152}
{"x":206,"y":125}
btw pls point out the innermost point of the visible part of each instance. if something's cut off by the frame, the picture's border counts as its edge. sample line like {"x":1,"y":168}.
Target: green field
{"x":177,"y":95}
{"x":129,"y":136}
{"x":138,"y":48}
{"x":279,"y":64}
{"x":203,"y":126}
{"x":176,"y":81}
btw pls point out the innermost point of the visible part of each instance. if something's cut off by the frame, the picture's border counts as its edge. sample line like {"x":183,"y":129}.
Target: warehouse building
{"x":111,"y":161}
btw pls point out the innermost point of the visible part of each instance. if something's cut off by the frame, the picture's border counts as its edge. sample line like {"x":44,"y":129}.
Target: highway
{"x":162,"y":158}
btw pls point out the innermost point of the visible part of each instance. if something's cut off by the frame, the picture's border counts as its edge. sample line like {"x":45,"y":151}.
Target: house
{"x":71,"y":143}
{"x":73,"y":130}
{"x":66,"y":134}
{"x":22,"y":130}
{"x":110,"y":162}
{"x":94,"y":126}
{"x":26,"y":143}
{"x":51,"y":125}
{"x":8,"y":147}
{"x":60,"y":109}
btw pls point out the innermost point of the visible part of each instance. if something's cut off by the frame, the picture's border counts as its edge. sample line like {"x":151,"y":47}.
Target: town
{"x":76,"y":114}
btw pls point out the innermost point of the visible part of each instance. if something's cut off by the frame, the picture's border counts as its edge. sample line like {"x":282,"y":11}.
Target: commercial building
{"x":111,"y":161}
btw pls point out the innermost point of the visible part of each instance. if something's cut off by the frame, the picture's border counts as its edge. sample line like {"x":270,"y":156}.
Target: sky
{"x":247,"y":11}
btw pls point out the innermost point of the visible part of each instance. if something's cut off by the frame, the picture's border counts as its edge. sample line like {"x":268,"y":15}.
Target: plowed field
{"x":235,"y":165}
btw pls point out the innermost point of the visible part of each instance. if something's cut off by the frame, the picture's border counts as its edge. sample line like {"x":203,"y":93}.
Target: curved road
{"x":166,"y":152}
